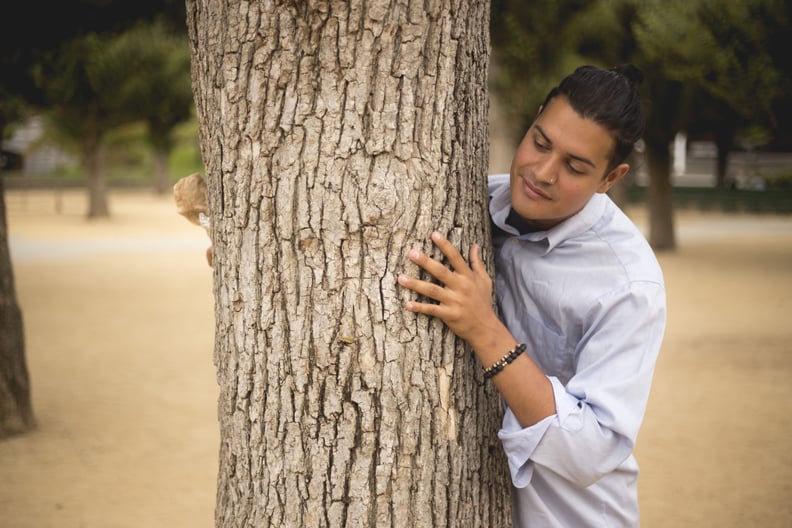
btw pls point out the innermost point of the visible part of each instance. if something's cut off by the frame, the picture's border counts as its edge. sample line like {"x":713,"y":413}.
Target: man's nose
{"x":546,"y":172}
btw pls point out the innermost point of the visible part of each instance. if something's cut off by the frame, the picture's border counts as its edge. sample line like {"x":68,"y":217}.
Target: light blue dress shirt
{"x":588,"y":299}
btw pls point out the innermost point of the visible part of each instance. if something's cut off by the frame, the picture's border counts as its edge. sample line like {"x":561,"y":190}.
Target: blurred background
{"x":107,"y":392}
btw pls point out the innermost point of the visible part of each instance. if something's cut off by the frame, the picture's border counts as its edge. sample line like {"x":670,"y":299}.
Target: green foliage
{"x":149,"y":68}
{"x":721,"y":47}
{"x":531,"y":51}
{"x":102,"y":81}
{"x":537,"y":43}
{"x":185,"y":157}
{"x":90,"y":74}
{"x":79,"y":91}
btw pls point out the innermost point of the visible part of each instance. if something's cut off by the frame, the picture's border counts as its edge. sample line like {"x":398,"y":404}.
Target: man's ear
{"x":616,"y":174}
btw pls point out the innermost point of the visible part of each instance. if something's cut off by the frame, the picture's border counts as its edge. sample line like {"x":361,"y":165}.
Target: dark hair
{"x":611,"y":99}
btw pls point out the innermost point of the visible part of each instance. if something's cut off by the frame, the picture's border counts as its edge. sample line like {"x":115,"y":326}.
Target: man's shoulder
{"x":628,"y":245}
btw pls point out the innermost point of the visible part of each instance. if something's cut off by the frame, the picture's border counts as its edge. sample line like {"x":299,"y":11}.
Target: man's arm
{"x":464,"y":304}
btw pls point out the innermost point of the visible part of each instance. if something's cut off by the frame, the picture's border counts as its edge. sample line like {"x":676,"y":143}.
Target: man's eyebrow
{"x":542,"y":132}
{"x":581,"y":159}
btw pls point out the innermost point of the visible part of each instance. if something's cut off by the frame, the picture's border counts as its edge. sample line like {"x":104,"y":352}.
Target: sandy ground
{"x":119,"y":328}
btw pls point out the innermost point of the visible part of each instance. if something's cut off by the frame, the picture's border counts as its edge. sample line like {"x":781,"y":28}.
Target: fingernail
{"x":414,"y":254}
{"x":436,"y":236}
{"x":402,"y":279}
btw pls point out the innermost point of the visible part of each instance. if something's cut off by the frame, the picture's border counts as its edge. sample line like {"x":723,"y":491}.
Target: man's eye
{"x":541,"y":146}
{"x":573,"y":169}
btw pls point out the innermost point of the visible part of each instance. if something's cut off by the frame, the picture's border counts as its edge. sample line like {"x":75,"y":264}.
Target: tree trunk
{"x":661,"y":200}
{"x":724,"y":141}
{"x":162,"y":183}
{"x":662,"y":126}
{"x":16,"y":411}
{"x":336,"y":136}
{"x":94,"y":177}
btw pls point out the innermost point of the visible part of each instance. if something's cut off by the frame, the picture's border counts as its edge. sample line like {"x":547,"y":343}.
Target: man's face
{"x":560,"y":163}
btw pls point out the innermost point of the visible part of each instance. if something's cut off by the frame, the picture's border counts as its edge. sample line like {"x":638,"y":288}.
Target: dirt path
{"x":119,"y":328}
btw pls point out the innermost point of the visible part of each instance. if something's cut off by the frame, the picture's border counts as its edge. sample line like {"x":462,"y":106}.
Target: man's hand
{"x":189,"y":193}
{"x":465,"y":298}
{"x":465,"y":306}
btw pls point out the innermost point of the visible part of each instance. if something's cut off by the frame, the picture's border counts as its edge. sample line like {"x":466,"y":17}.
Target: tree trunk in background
{"x":16,"y":411}
{"x":336,"y":135}
{"x":660,"y":197}
{"x":662,"y":126}
{"x":94,"y":178}
{"x":162,"y":183}
{"x":724,"y":141}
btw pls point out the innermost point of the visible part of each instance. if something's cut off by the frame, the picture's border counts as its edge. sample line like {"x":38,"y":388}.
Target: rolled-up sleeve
{"x":600,"y":409}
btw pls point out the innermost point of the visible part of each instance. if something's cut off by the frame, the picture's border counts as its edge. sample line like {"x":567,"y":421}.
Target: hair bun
{"x":630,"y":72}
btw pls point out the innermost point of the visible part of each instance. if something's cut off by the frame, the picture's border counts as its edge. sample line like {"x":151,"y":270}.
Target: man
{"x":582,"y":307}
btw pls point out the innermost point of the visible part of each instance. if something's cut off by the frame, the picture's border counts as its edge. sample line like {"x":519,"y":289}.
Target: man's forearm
{"x":522,"y":384}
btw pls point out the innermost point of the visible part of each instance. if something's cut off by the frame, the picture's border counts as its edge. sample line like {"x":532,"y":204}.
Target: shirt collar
{"x":500,"y":211}
{"x":579,"y":223}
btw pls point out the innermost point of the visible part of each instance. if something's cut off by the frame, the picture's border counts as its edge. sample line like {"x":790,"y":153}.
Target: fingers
{"x":441,"y":293}
{"x":476,"y":262}
{"x":430,"y":265}
{"x":465,"y":291}
{"x":475,"y":258}
{"x":436,"y":268}
{"x":479,"y":268}
{"x":434,"y":310}
{"x":427,"y":289}
{"x":452,"y":254}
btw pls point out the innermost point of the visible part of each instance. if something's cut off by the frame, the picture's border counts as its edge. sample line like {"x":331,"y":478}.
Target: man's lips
{"x":533,"y":191}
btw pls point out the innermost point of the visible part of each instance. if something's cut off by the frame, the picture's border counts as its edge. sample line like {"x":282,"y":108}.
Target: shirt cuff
{"x":519,"y":443}
{"x":569,"y":409}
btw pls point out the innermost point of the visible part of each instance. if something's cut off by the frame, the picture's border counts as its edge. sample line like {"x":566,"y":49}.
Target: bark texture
{"x":336,"y":135}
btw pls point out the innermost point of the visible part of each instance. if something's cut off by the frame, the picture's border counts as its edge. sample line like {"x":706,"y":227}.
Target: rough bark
{"x":16,"y":410}
{"x":336,"y":135}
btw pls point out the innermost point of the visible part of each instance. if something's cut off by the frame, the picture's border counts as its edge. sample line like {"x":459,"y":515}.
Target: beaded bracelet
{"x":505,"y":360}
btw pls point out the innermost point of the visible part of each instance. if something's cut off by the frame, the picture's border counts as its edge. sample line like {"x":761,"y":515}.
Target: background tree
{"x":730,"y":55}
{"x":16,"y":409}
{"x":87,"y":94}
{"x":153,"y":86}
{"x":80,"y":88}
{"x":25,"y":43}
{"x":337,"y":135}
